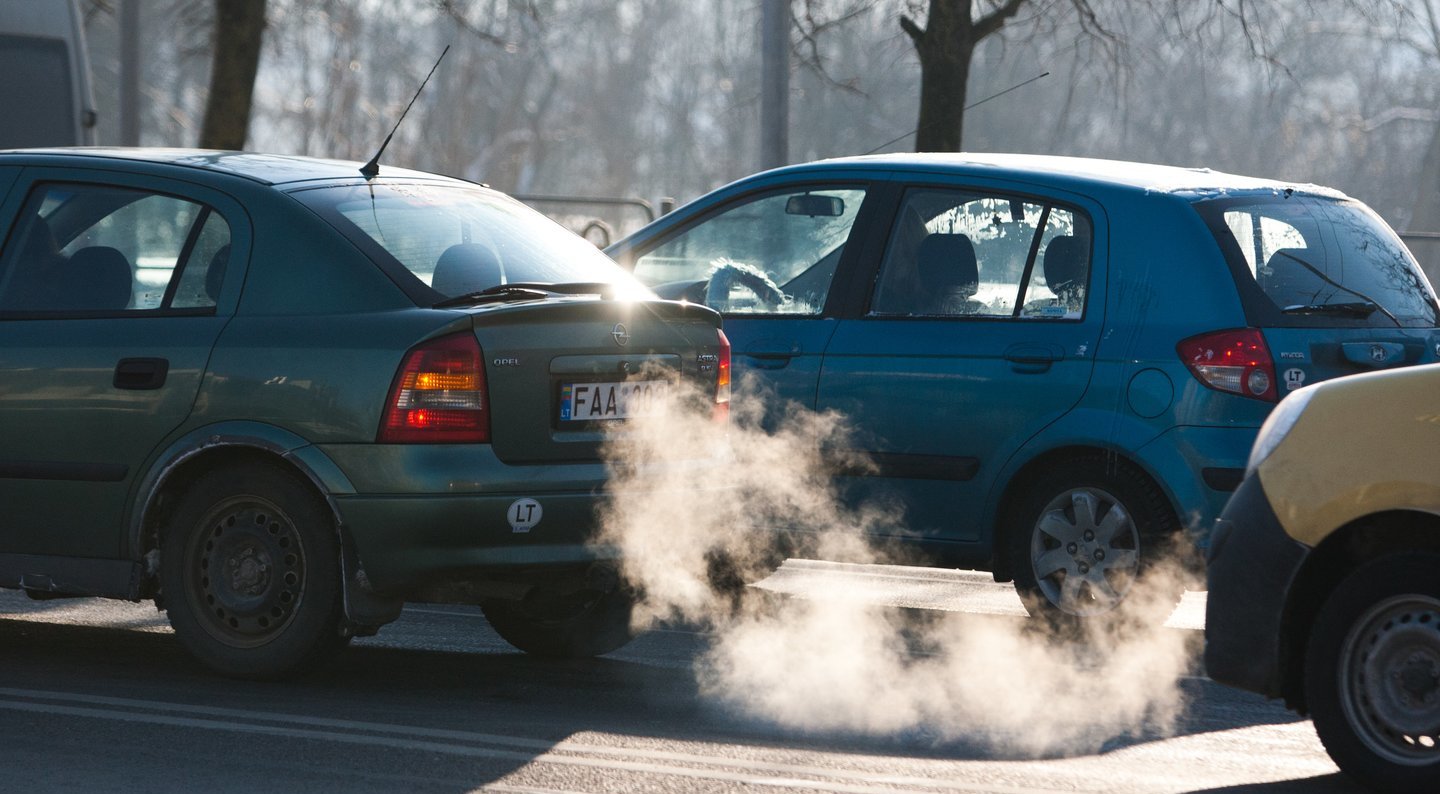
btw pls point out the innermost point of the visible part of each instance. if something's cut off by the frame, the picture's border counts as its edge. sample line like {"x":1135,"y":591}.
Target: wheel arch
{"x":1028,"y":473}
{"x":1342,"y":552}
{"x":206,"y":448}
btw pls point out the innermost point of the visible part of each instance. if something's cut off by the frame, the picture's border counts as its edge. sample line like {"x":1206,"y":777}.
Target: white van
{"x":44,"y":71}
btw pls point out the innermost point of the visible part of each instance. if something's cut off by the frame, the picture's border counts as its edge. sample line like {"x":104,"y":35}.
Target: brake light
{"x":1236,"y":361}
{"x":439,"y":395}
{"x":722,"y":380}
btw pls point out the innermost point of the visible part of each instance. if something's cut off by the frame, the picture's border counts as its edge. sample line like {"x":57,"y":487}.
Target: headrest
{"x":465,"y":268}
{"x":96,"y":279}
{"x":1066,"y":263}
{"x":946,"y":263}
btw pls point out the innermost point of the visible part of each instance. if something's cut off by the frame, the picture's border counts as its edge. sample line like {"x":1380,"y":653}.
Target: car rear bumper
{"x":1250,"y":566}
{"x":410,"y":543}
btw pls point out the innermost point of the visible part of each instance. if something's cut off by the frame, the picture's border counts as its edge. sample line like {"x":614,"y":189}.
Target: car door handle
{"x":1033,"y":358}
{"x":141,"y":374}
{"x":770,"y":360}
{"x":771,"y":353}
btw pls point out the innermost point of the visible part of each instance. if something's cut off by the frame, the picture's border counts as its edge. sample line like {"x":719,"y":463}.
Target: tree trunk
{"x":239,"y":27}
{"x":945,"y":47}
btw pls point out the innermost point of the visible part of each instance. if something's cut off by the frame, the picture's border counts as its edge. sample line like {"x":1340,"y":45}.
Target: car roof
{"x":1073,"y":172}
{"x":268,"y":169}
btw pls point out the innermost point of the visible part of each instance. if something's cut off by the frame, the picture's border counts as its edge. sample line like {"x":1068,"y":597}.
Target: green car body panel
{"x":294,"y":366}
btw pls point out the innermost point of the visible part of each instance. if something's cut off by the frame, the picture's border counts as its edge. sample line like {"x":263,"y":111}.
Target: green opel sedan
{"x":281,"y":399}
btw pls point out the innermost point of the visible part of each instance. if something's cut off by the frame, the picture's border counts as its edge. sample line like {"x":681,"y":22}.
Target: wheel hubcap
{"x":246,"y":571}
{"x":1085,"y":551}
{"x":1390,"y":679}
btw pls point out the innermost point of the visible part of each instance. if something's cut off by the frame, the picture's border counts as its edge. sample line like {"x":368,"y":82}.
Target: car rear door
{"x":979,"y":332}
{"x":111,"y":297}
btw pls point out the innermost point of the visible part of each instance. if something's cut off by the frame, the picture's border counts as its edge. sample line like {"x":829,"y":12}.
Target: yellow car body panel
{"x":1367,"y":444}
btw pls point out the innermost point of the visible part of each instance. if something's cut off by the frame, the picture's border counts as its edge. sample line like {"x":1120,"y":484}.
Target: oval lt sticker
{"x":524,"y":514}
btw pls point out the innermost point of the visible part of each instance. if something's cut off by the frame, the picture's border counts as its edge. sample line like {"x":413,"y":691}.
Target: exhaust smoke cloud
{"x":696,"y":505}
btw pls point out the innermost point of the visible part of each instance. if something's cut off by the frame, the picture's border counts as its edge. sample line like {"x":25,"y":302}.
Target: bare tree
{"x":946,"y":46}
{"x":239,"y":28}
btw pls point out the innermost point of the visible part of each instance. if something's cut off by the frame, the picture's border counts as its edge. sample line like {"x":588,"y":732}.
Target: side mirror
{"x":815,"y":206}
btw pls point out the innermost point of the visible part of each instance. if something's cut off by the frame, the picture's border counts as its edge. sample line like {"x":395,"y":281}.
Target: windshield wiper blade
{"x":602,"y":288}
{"x":1352,"y":309}
{"x":524,"y":290}
{"x":504,"y":292}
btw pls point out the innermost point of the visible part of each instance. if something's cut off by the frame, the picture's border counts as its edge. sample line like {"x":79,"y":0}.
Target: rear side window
{"x":965,"y":253}
{"x":95,"y":248}
{"x":1318,"y":258}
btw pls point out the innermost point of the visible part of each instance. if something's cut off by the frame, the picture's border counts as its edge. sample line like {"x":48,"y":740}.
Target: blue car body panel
{"x":955,"y":411}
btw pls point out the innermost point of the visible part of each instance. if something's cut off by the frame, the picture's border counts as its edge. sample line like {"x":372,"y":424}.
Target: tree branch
{"x":912,"y":30}
{"x":457,"y":15}
{"x":996,"y":19}
{"x":811,"y":29}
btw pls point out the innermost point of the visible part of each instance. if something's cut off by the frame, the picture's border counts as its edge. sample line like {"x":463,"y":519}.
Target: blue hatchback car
{"x":1056,"y":364}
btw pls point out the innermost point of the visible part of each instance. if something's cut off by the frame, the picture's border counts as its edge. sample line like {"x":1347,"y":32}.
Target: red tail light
{"x":722,"y":380}
{"x":1236,"y":361}
{"x":439,"y":395}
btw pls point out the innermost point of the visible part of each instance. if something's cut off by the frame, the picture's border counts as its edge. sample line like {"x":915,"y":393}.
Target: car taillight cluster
{"x":1236,"y":361}
{"x":722,"y":380}
{"x":439,"y":395}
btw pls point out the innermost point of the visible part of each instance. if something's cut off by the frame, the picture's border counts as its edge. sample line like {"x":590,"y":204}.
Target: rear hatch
{"x":562,"y":372}
{"x":1333,"y":289}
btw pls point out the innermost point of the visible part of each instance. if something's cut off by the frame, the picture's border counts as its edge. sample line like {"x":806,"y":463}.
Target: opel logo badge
{"x":622,"y":336}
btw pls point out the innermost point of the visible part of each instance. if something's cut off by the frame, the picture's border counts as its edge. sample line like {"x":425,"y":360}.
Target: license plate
{"x":591,"y":402}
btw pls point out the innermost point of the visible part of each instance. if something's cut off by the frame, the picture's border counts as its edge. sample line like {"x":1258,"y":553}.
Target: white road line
{"x":468,"y":744}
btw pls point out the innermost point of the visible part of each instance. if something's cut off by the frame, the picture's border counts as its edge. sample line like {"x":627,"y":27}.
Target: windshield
{"x":1324,"y":258}
{"x":458,"y":240}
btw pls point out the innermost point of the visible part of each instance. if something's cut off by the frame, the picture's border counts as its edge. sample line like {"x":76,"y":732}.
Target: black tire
{"x":575,"y":625}
{"x":279,"y":610}
{"x":1372,"y":673}
{"x":1081,"y":536}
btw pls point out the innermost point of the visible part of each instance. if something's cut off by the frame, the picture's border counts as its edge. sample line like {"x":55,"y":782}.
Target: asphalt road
{"x":97,"y":696}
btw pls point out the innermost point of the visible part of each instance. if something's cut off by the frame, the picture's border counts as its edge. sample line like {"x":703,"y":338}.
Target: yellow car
{"x":1324,"y":572}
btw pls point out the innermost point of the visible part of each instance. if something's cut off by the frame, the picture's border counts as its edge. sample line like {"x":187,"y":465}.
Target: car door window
{"x":93,"y":248}
{"x":772,"y":254}
{"x":977,"y":254}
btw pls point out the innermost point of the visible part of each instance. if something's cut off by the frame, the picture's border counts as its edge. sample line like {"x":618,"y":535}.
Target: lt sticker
{"x":1294,"y":379}
{"x":524,"y":514}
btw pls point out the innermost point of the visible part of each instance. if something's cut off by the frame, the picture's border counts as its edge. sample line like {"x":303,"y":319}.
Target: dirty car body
{"x":282,"y":400}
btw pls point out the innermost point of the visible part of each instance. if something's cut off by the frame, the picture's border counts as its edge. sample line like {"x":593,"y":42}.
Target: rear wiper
{"x":1332,"y":282}
{"x":1353,"y":309}
{"x":527,"y":290}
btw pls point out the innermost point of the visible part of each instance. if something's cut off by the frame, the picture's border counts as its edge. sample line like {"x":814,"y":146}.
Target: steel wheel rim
{"x":245,"y":571}
{"x":1085,"y":551}
{"x":1390,"y":679}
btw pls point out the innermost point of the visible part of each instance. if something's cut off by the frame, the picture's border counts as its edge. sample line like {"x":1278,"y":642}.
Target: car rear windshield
{"x":458,"y":240}
{"x":1320,"y":261}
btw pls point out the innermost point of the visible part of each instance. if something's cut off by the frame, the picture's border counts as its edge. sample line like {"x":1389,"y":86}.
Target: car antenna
{"x":372,"y":169}
{"x":962,"y":110}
